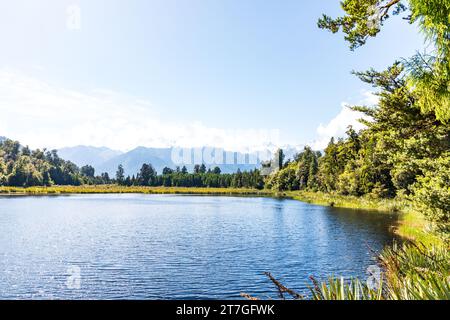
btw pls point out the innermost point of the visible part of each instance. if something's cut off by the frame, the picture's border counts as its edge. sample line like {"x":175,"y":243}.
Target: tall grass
{"x":417,"y":272}
{"x":410,"y":272}
{"x":352,"y":202}
{"x":340,"y":289}
{"x":99,"y":189}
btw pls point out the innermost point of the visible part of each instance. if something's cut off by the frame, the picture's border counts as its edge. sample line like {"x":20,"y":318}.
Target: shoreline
{"x":112,"y":189}
{"x":410,"y":224}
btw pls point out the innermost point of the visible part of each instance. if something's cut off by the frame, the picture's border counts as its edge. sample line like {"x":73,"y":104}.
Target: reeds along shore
{"x":99,"y":189}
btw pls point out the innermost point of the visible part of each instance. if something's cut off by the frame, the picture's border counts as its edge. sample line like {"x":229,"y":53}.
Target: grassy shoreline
{"x":411,"y":224}
{"x":114,"y":189}
{"x":317,"y":198}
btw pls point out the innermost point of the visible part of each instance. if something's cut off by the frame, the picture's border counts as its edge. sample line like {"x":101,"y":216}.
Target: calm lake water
{"x":177,"y":247}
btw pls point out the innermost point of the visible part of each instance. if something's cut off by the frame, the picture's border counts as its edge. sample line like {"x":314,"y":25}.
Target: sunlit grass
{"x":99,"y":189}
{"x":413,"y":226}
{"x":340,"y":201}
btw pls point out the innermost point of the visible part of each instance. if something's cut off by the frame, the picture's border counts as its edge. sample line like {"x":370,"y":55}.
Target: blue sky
{"x":181,"y":70}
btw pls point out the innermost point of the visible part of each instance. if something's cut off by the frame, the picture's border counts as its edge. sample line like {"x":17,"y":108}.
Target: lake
{"x":177,"y":247}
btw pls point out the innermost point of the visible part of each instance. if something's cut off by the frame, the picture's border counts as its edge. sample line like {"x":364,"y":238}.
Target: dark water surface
{"x":177,"y":247}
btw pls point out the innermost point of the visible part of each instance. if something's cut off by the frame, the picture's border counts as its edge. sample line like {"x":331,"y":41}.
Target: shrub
{"x":431,"y":193}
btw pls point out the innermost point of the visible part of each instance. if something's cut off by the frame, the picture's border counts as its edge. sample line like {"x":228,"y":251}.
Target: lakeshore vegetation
{"x":400,"y":161}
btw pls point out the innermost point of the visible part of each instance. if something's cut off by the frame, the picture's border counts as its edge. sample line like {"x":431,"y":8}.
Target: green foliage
{"x":24,"y":173}
{"x":410,"y":272}
{"x":428,"y":75}
{"x":431,"y":193}
{"x":340,"y":289}
{"x":402,"y":151}
{"x":363,"y":19}
{"x":417,"y":272}
{"x":20,"y":166}
{"x":285,"y":179}
{"x":88,"y":171}
{"x":348,"y":181}
{"x":120,"y":175}
{"x":146,"y":177}
{"x":297,"y":175}
{"x":200,"y":178}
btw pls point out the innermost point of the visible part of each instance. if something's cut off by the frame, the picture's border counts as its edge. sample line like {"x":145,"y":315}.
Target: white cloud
{"x":338,"y":125}
{"x":370,"y":98}
{"x":44,"y":115}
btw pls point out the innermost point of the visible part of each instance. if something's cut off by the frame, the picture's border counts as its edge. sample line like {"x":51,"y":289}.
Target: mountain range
{"x":107,"y":160}
{"x":104,"y":159}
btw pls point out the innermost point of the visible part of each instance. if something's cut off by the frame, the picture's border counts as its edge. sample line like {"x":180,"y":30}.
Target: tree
{"x":217,"y":170}
{"x":3,"y":171}
{"x":11,"y":150}
{"x":279,"y":158}
{"x":363,"y":19}
{"x":237,"y":179}
{"x":399,"y":136}
{"x":24,"y":174}
{"x":88,"y":171}
{"x":428,"y":74}
{"x":167,"y":171}
{"x":105,"y":178}
{"x":431,"y":193}
{"x":26,"y":151}
{"x":329,"y":167}
{"x":147,"y":174}
{"x":202,"y":168}
{"x":120,"y":175}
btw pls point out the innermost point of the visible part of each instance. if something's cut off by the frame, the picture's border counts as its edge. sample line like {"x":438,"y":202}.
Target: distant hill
{"x":107,"y":160}
{"x":83,"y":155}
{"x":159,"y":157}
{"x":132,"y":161}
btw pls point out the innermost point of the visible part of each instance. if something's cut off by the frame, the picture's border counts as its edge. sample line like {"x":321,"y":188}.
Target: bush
{"x":431,"y":193}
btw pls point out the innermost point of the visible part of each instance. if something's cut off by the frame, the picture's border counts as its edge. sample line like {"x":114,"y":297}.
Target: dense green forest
{"x":404,"y":151}
{"x":200,"y":177}
{"x":22,"y":167}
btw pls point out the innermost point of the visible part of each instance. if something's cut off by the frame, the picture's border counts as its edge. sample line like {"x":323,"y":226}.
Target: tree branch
{"x":387,"y":7}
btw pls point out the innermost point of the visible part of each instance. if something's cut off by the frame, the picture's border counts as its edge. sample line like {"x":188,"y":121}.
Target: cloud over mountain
{"x":48,"y":115}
